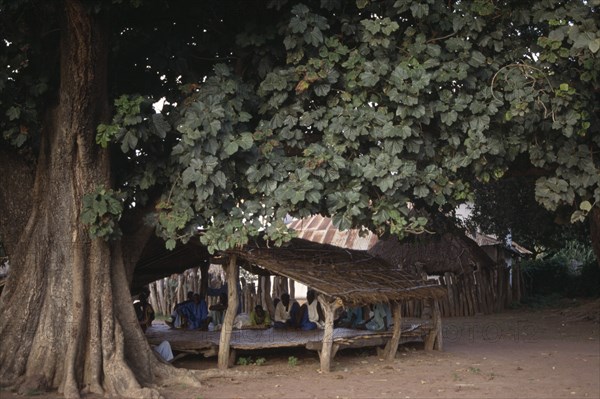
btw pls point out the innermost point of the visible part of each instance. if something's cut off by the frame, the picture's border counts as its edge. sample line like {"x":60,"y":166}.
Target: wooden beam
{"x":392,"y":345}
{"x":327,"y":349}
{"x":232,"y":301}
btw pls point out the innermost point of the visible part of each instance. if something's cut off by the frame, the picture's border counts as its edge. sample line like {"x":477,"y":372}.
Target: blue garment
{"x":354,"y":317}
{"x":294,"y":309}
{"x":223,"y":289}
{"x":196,"y":313}
{"x":380,"y":320}
{"x":306,"y":324}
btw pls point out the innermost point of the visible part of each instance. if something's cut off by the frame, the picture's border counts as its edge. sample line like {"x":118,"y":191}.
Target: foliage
{"x":246,"y":361}
{"x":508,"y":206}
{"x":544,"y":277}
{"x":260,"y":361}
{"x":377,"y":113}
{"x":292,"y":361}
{"x":101,"y":212}
{"x":571,"y":271}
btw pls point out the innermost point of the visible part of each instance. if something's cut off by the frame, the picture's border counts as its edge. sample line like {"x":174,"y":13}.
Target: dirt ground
{"x":550,"y":353}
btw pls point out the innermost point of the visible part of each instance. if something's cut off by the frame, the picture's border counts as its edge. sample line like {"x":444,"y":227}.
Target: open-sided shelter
{"x":340,"y":276}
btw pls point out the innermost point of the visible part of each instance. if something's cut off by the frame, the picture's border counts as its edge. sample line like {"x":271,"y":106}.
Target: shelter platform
{"x":207,"y":342}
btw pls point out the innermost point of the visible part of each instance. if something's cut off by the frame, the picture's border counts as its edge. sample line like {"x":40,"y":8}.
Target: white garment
{"x":313,"y":313}
{"x":164,"y":351}
{"x":281,"y":314}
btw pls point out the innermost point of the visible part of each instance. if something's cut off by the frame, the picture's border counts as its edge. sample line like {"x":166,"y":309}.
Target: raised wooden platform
{"x":207,"y":342}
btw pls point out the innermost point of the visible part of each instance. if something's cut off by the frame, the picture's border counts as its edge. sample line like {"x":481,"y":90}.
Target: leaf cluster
{"x":101,"y":211}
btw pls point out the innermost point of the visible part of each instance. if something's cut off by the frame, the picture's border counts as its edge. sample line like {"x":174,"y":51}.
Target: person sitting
{"x":144,"y":311}
{"x":178,"y":319}
{"x":217,"y":311}
{"x":286,"y":314}
{"x":260,"y":318}
{"x":379,"y":319}
{"x":310,"y":315}
{"x":351,"y":317}
{"x":196,"y":313}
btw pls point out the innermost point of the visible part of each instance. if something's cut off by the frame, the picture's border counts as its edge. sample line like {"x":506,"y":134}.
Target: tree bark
{"x":16,"y":186}
{"x":233,"y":271}
{"x":327,"y":350}
{"x":66,"y":320}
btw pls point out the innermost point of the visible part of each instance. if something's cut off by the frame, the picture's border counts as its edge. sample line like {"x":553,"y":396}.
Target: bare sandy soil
{"x":550,"y":353}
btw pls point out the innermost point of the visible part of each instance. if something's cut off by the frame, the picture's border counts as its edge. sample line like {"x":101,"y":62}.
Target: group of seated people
{"x":375,"y":317}
{"x":307,"y":317}
{"x":194,"y":313}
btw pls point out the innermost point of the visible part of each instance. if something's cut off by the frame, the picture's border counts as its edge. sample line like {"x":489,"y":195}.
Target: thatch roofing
{"x":157,"y":262}
{"x":355,"y":277}
{"x":434,"y":254}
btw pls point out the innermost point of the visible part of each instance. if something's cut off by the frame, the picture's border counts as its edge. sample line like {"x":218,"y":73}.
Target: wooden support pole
{"x":392,"y":345}
{"x":327,"y":349}
{"x":233,"y":271}
{"x":434,"y":338}
{"x":437,"y":319}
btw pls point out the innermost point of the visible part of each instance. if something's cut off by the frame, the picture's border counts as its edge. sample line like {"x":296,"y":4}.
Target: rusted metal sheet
{"x":321,"y":230}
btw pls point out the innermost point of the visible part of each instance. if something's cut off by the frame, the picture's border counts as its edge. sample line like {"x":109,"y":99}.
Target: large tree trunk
{"x":66,"y":319}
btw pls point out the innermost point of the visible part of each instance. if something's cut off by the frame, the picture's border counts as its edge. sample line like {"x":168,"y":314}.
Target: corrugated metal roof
{"x":484,"y":240}
{"x":320,"y":229}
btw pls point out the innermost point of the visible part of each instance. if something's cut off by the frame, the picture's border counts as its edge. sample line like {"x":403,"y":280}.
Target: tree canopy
{"x":374,"y":112}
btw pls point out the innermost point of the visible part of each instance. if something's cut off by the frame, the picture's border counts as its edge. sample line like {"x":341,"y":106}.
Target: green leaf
{"x":594,"y":45}
{"x":314,"y":37}
{"x":161,"y":126}
{"x":231,"y":148}
{"x":219,"y":179}
{"x":170,"y":244}
{"x":321,"y":90}
{"x":246,"y":141}
{"x":585,"y":206}
{"x":360,"y":4}
{"x":13,"y":113}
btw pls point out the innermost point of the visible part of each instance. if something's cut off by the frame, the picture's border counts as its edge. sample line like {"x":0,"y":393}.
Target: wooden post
{"x":392,"y":345}
{"x":232,"y":299}
{"x":435,"y":340}
{"x":325,"y":354}
{"x":292,"y":289}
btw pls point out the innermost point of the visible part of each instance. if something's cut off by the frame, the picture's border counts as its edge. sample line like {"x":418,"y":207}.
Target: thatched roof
{"x":353,"y":276}
{"x":157,"y":262}
{"x":434,"y":254}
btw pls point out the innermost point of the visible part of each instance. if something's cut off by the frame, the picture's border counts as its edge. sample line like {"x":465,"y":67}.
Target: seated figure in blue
{"x":196,"y":313}
{"x":310,"y":315}
{"x":351,"y":317}
{"x":380,"y":319}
